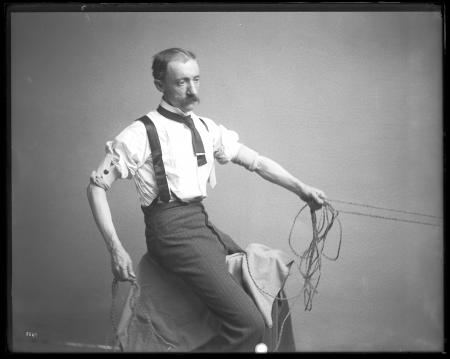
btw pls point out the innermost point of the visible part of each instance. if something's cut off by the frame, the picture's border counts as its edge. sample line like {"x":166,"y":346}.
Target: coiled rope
{"x":309,"y":262}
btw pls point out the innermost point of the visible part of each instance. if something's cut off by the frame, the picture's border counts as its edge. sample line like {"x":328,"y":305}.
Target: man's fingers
{"x":316,"y":201}
{"x":122,"y":268}
{"x":124,"y":274}
{"x":131,"y":273}
{"x":318,"y":198}
{"x":119,"y":275}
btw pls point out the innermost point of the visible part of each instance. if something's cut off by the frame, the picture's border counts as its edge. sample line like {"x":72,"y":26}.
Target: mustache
{"x":193,"y":98}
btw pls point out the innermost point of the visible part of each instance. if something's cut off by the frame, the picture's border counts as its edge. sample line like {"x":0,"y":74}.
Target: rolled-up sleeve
{"x":226,"y":144}
{"x":129,"y":149}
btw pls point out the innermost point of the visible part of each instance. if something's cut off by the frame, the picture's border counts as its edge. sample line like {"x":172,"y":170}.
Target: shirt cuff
{"x":246,"y":157}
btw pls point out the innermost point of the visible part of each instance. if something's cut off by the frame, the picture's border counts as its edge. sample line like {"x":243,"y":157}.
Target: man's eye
{"x":197,"y":79}
{"x":180,"y":83}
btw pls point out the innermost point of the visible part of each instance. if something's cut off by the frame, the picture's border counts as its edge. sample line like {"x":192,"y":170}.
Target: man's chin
{"x":190,"y":106}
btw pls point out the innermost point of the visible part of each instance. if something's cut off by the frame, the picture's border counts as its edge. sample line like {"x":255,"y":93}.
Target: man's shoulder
{"x":138,"y":123}
{"x":133,"y":130}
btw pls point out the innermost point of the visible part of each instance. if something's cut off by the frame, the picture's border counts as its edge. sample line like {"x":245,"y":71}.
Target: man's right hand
{"x":122,"y":266}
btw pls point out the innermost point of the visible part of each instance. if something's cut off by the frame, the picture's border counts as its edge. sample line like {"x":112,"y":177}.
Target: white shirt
{"x":132,"y":155}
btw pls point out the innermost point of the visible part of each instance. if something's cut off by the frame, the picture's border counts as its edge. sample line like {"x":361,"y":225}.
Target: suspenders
{"x":158,"y":164}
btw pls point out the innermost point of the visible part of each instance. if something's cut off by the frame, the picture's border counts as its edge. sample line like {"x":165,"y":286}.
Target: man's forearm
{"x":273,"y":172}
{"x":102,"y":215}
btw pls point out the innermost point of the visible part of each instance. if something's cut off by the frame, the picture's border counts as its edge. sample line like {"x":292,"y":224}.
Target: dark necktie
{"x":197,"y":143}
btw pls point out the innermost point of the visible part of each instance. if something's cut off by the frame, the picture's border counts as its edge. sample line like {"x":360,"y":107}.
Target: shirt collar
{"x":176,"y":110}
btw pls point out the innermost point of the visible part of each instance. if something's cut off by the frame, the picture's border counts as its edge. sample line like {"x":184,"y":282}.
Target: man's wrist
{"x":115,"y":246}
{"x":302,"y":191}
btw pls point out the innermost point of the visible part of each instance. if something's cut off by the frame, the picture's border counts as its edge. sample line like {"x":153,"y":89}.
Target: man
{"x":171,"y":171}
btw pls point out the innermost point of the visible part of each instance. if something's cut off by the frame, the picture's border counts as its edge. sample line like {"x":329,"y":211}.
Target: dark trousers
{"x":182,"y":240}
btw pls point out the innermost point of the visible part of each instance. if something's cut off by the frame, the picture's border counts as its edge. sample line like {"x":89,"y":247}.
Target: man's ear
{"x":159,"y":85}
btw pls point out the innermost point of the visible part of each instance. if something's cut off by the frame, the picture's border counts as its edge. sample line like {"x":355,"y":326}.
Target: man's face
{"x":181,"y":84}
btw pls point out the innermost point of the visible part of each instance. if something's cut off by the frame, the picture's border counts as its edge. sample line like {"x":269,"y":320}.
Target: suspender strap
{"x":158,"y":164}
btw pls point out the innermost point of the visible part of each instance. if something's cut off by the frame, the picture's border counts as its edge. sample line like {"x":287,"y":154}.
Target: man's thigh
{"x":201,"y":264}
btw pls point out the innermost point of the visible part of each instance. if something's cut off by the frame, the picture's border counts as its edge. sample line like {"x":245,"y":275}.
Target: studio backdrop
{"x":348,"y":102}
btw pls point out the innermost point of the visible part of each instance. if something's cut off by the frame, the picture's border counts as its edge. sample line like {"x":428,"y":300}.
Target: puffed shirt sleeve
{"x":225,"y":142}
{"x":227,"y":147}
{"x":129,"y":149}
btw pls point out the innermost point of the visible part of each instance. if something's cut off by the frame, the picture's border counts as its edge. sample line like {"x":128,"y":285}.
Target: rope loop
{"x":309,"y":261}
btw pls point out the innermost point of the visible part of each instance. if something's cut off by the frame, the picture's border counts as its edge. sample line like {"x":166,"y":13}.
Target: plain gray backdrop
{"x":349,"y":102}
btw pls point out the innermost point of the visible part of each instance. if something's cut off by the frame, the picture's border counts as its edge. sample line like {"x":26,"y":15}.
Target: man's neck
{"x":174,"y":109}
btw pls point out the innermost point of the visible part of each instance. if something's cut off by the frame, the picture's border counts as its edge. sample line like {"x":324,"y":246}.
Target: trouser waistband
{"x":157,"y":204}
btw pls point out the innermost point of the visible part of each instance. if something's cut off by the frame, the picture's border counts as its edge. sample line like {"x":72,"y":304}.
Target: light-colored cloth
{"x":168,"y":307}
{"x":132,"y":155}
{"x":262,"y":271}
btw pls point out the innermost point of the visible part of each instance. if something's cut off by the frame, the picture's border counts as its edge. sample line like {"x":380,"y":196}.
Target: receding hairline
{"x":162,"y":59}
{"x":182,"y":59}
{"x":181,"y":56}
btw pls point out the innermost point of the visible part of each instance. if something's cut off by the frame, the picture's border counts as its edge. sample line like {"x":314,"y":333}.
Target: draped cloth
{"x":168,"y":316}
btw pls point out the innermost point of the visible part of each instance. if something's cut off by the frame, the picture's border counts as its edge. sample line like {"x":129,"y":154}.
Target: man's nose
{"x":192,"y":88}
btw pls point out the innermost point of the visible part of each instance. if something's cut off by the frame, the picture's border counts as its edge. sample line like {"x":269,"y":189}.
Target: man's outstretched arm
{"x":100,"y":182}
{"x":275,"y":173}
